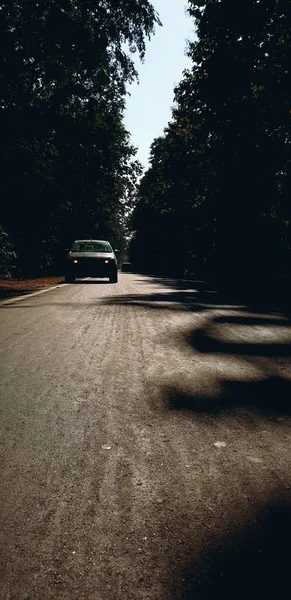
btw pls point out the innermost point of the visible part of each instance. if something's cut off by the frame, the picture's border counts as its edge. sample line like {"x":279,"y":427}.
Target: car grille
{"x":93,"y":267}
{"x":91,"y":262}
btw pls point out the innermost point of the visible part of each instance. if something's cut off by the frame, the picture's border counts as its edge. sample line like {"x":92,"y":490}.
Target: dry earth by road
{"x":145,"y":445}
{"x":10,"y":288}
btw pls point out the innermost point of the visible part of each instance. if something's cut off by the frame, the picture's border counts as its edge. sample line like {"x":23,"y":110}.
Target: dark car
{"x":91,"y":258}
{"x":126,"y":267}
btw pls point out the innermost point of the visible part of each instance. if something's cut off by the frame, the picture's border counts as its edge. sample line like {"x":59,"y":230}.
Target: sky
{"x":149,"y":106}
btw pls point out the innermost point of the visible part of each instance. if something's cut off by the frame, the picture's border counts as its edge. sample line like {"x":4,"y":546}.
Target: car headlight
{"x":106,"y":262}
{"x":75,"y":261}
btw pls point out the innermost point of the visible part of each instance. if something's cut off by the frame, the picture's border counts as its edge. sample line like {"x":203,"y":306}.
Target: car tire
{"x":70,"y":279}
{"x":113,"y":278}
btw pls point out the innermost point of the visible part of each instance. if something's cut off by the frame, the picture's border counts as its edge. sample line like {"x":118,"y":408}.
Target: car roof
{"x":91,"y":241}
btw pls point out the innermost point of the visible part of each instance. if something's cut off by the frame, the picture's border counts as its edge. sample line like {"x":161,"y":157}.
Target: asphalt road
{"x":145,"y":445}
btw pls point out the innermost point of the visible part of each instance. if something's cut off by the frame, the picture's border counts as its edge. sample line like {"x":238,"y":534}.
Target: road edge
{"x":19,"y":298}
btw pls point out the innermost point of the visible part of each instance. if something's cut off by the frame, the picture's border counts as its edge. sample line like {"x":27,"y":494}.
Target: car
{"x":91,"y":258}
{"x":126,"y":267}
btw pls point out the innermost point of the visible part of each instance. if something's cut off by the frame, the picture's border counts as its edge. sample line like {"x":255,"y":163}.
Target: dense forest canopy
{"x":216,"y":197}
{"x":68,"y":165}
{"x":215,"y":200}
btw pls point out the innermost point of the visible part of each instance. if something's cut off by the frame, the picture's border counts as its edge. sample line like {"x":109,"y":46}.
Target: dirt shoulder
{"x":9,"y":288}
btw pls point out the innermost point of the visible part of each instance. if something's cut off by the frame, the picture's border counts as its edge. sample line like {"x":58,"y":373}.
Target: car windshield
{"x":91,"y":247}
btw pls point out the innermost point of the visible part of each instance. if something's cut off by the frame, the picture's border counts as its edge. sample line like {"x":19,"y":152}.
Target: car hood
{"x":91,"y":255}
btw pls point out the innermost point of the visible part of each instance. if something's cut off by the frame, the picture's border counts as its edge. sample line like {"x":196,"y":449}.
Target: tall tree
{"x":229,"y":141}
{"x":240,"y":69}
{"x":67,"y":159}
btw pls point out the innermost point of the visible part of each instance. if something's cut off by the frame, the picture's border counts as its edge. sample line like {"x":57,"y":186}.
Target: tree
{"x":241,"y":71}
{"x":66,"y":156}
{"x":8,"y":257}
{"x":228,"y":143}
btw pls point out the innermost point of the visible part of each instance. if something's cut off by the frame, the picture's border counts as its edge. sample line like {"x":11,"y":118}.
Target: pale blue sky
{"x":149,"y":106}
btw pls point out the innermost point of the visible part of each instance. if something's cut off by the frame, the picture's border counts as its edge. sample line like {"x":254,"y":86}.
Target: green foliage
{"x":218,"y":187}
{"x":68,"y":164}
{"x":8,"y":257}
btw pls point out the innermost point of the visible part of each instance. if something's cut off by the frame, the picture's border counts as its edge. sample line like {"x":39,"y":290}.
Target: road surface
{"x":145,"y":445}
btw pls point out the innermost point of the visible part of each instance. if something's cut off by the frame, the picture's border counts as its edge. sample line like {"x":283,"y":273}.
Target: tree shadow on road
{"x":260,"y":333}
{"x":173,"y":295}
{"x":251,"y":337}
{"x":269,"y":395}
{"x":258,"y":340}
{"x":192,"y":295}
{"x":171,"y":301}
{"x":246,"y":562}
{"x":236,"y":556}
{"x":274,"y":299}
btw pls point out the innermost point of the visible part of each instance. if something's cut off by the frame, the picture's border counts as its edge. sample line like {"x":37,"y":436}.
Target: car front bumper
{"x":86,"y":267}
